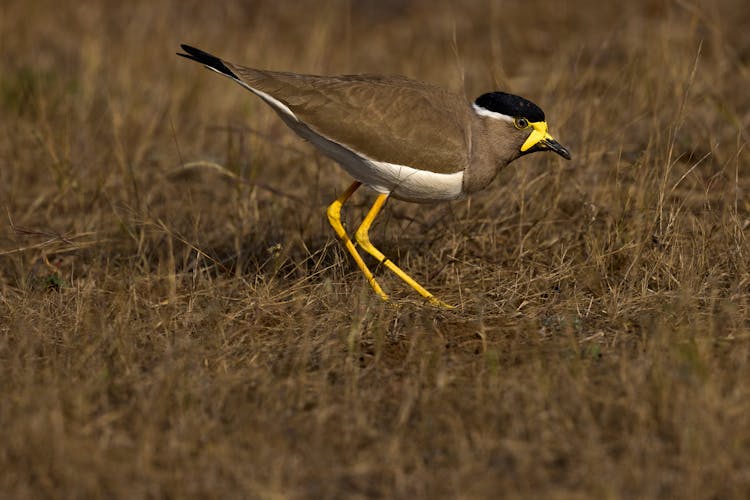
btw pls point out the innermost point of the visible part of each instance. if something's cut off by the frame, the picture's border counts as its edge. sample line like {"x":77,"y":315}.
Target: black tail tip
{"x":195,"y":52}
{"x":205,"y":58}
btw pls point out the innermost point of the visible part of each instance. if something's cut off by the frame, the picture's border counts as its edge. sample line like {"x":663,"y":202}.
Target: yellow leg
{"x":363,"y":238}
{"x":334,"y":218}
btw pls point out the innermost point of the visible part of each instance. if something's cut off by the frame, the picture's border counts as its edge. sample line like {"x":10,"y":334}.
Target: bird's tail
{"x":208,"y":60}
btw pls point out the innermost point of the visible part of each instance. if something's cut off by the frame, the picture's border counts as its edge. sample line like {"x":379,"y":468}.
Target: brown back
{"x":386,"y":118}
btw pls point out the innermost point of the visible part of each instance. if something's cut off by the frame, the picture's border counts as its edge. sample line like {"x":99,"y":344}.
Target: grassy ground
{"x":170,"y":328}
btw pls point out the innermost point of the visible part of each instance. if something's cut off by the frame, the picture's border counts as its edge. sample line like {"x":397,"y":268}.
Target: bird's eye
{"x":521,"y":123}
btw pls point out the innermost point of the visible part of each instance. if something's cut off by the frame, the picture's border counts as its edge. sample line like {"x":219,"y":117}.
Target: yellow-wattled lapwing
{"x":404,"y":139}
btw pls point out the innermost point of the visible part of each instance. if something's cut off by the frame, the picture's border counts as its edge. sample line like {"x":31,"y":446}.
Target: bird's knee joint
{"x":363,"y":238}
{"x":334,"y":213}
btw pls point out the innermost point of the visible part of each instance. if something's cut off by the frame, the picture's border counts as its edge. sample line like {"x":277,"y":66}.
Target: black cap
{"x":511,"y":105}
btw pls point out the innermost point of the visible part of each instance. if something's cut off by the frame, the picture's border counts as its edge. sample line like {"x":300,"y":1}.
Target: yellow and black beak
{"x":540,"y":140}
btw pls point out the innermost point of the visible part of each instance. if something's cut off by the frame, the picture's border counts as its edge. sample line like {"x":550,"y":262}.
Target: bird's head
{"x":520,"y":125}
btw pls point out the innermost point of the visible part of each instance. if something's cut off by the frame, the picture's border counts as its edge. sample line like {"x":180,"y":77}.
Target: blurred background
{"x":96,"y":103}
{"x":96,"y":84}
{"x":177,"y":319}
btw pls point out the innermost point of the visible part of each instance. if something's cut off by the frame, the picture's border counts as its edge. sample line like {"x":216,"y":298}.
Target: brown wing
{"x":387,"y":118}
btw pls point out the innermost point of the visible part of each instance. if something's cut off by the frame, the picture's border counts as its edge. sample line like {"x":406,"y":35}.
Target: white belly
{"x":400,"y":181}
{"x":405,"y":183}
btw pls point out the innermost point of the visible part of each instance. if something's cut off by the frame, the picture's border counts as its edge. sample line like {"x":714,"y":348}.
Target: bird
{"x":402,"y":138}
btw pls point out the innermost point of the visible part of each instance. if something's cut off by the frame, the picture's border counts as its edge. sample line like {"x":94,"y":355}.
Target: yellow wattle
{"x":538,"y":133}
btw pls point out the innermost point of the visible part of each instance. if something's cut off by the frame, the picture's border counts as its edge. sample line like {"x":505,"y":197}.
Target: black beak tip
{"x":550,"y":144}
{"x":558,"y":148}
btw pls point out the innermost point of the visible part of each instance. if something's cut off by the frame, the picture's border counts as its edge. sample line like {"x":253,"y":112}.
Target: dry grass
{"x":167,"y":330}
